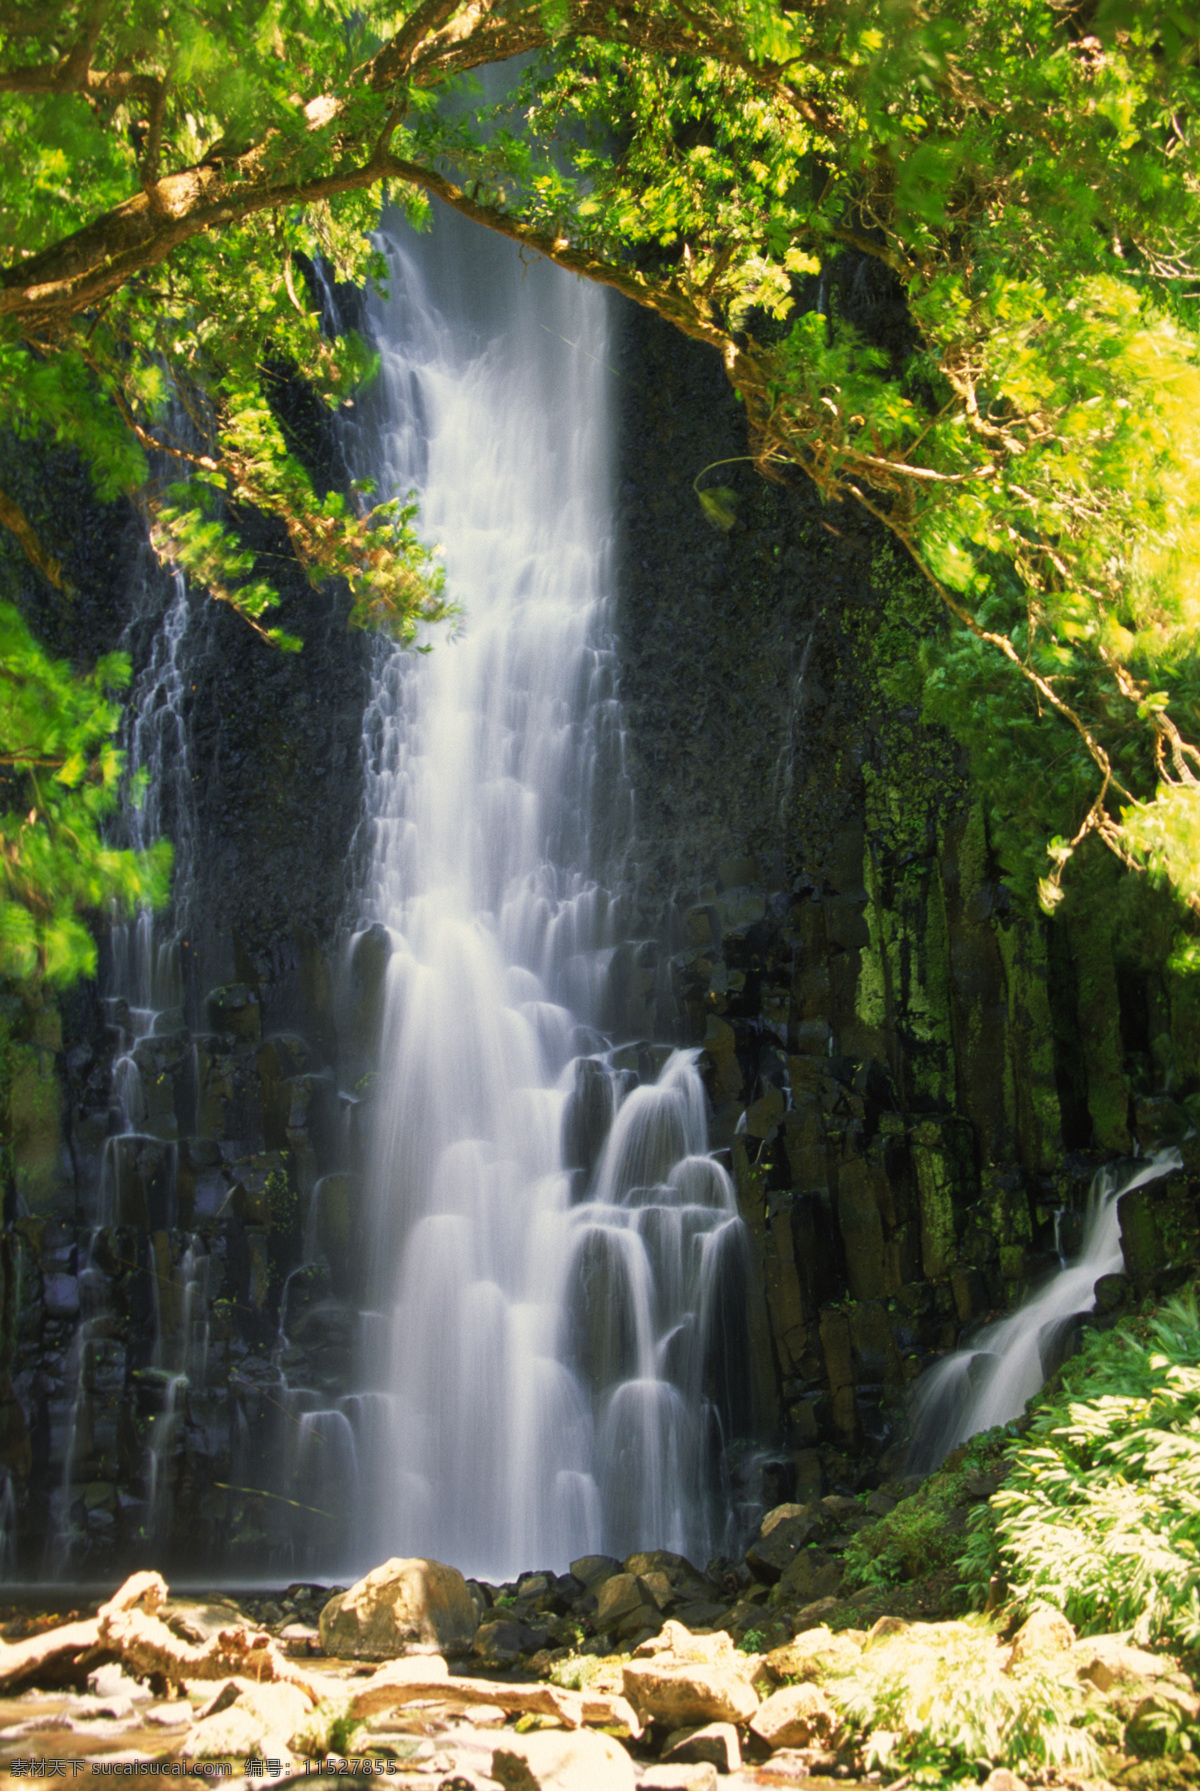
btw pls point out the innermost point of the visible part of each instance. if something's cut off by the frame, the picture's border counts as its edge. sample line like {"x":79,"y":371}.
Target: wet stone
{"x":782,"y":1534}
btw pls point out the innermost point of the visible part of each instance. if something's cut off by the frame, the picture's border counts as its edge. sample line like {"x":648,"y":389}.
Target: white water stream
{"x":551,"y":1315}
{"x":1005,"y":1364}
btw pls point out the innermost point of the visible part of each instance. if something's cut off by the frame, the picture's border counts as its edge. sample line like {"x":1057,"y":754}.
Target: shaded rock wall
{"x":913,"y":1074}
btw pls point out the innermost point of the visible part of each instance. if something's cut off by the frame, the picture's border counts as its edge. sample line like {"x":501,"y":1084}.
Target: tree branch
{"x":14,"y":519}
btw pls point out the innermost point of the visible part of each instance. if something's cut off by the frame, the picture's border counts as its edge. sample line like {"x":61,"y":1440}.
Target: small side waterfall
{"x":989,"y":1381}
{"x":551,"y":1248}
{"x":152,"y":1099}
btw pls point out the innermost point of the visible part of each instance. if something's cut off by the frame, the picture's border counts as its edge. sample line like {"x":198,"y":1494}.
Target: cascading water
{"x":135,"y":1176}
{"x":554,"y":1257}
{"x":1006,"y":1363}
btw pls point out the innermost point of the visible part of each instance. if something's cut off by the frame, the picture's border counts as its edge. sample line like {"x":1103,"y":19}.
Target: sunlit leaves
{"x":60,"y":776}
{"x":1019,"y":195}
{"x":1100,"y":1511}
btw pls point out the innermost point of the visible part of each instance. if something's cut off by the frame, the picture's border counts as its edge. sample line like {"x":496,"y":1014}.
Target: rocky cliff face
{"x":911,"y":1076}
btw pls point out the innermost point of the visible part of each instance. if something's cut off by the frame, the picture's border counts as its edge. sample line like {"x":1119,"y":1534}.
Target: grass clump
{"x":574,"y":1673}
{"x":1099,"y":1515}
{"x":941,"y":1702}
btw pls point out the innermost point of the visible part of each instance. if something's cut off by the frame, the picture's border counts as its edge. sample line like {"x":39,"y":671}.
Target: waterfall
{"x":151,"y":1107}
{"x":989,"y":1381}
{"x":551,"y":1249}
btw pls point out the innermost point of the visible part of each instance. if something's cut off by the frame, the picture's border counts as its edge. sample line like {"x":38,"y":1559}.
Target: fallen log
{"x":62,"y":1656}
{"x":418,"y":1680}
{"x":129,"y":1627}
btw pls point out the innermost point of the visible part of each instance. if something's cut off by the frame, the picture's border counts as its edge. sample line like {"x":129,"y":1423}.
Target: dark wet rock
{"x":812,"y":1574}
{"x":591,"y":1570}
{"x":782,"y":1534}
{"x":502,"y":1643}
{"x":625,"y":1603}
{"x":1112,"y":1292}
{"x":714,"y":1743}
{"x":234,"y":1011}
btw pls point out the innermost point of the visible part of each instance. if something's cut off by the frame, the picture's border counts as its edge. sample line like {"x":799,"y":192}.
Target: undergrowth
{"x":923,"y":1534}
{"x":946,"y":1703}
{"x":1099,"y":1514}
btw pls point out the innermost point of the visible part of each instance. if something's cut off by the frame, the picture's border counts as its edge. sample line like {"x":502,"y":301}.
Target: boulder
{"x":812,"y":1574}
{"x":679,"y":1776}
{"x":680,"y":1679}
{"x":1106,"y":1661}
{"x":244,"y":1718}
{"x":1166,"y":1710}
{"x":796,"y":1716}
{"x":280,"y":1708}
{"x":402,"y":1607}
{"x":684,"y":1580}
{"x":591,"y":1570}
{"x":782,"y":1534}
{"x":381,"y":1691}
{"x":1001,"y":1779}
{"x":577,"y":1761}
{"x":232,"y":1734}
{"x":812,"y":1616}
{"x":1044,"y":1631}
{"x":703,"y":1615}
{"x":300,"y":1639}
{"x":811,"y":1657}
{"x":402,"y":1682}
{"x":503,"y":1643}
{"x":716,"y":1744}
{"x":625,"y":1603}
{"x":234,"y":1011}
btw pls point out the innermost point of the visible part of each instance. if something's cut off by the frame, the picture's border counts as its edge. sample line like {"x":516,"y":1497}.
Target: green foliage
{"x":342,"y":1734}
{"x":1100,"y":1511}
{"x":976,"y":317}
{"x":575,"y":1673}
{"x":60,"y":776}
{"x":1030,"y":434}
{"x":922,"y":1534}
{"x":753,"y":1642}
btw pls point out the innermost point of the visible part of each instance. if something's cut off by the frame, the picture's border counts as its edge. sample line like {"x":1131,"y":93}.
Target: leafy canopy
{"x":1015,"y":179}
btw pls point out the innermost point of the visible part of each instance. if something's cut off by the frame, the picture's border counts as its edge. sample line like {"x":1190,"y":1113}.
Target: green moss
{"x":34,"y":1122}
{"x":871,"y":994}
{"x":937,"y":1182}
{"x":1089,"y":932}
{"x":1029,"y":1065}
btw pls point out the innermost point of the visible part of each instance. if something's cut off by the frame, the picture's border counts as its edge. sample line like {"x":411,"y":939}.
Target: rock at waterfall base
{"x":812,"y":1655}
{"x":577,"y":1761}
{"x":811,"y":1574}
{"x":679,"y":1777}
{"x":1044,"y":1631}
{"x":404,"y":1606}
{"x":796,"y":1716}
{"x":782,"y":1534}
{"x":624,"y":1604}
{"x":680,"y":1679}
{"x":1109,"y":1661}
{"x":503,"y":1643}
{"x":716,"y":1744}
{"x":244,"y":1718}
